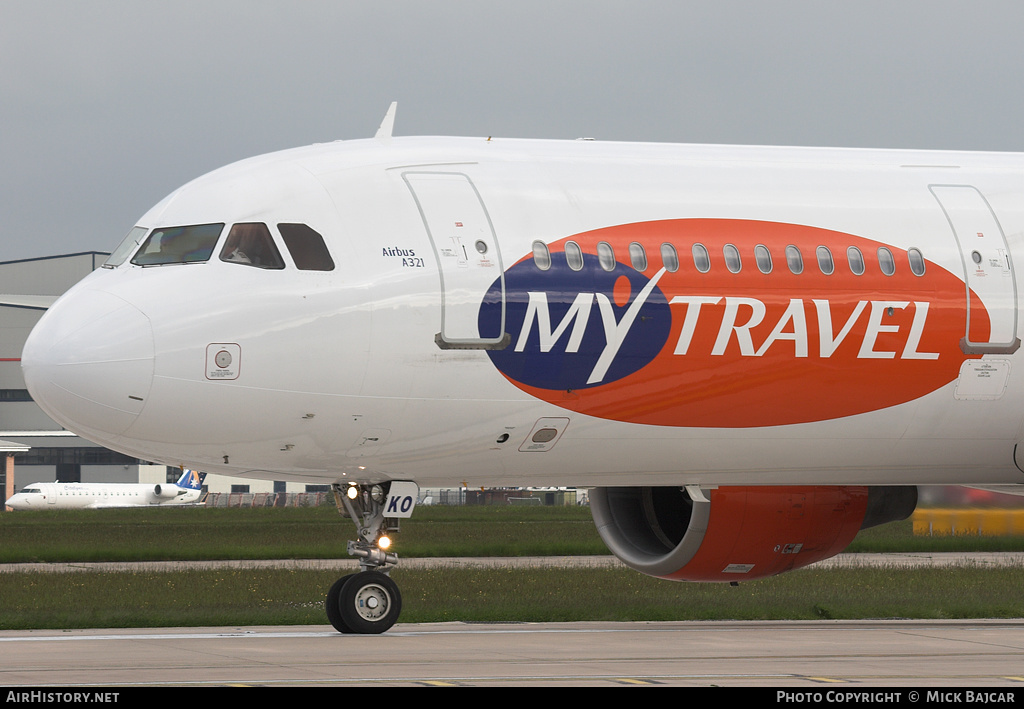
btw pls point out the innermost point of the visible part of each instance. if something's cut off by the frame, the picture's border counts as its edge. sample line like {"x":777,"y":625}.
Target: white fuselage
{"x":389,"y":366}
{"x":46,"y":496}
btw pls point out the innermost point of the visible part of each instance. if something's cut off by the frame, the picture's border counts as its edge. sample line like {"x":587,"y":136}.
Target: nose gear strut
{"x":369,"y":601}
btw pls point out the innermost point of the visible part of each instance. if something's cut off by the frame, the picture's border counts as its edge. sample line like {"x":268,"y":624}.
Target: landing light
{"x":384,"y":542}
{"x":377,"y":493}
{"x":353,"y":492}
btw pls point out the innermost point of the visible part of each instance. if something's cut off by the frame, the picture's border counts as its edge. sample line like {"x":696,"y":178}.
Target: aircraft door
{"x":468,"y":259}
{"x":988,"y":269}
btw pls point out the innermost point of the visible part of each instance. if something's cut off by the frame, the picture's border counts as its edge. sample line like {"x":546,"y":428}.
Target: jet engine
{"x":731,"y":534}
{"x":166,"y":492}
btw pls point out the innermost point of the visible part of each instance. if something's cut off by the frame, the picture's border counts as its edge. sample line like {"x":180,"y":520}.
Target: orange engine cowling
{"x":739,"y":533}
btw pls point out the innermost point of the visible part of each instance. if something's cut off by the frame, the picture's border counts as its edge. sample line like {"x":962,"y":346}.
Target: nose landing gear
{"x":369,"y":601}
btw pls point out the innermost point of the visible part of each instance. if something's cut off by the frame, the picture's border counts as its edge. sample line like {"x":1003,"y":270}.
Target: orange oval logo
{"x":732,"y":323}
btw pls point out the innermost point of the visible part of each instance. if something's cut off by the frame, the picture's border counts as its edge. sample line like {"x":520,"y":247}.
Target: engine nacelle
{"x":166,"y":492}
{"x":739,"y":533}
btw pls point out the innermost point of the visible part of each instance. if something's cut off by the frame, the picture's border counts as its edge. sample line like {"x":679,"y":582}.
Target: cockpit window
{"x":307,"y":247}
{"x":126,"y":247}
{"x":179,"y":244}
{"x":251,"y":245}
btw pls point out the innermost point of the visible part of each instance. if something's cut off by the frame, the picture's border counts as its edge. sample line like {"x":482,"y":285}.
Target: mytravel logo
{"x":716,"y":341}
{"x":578,"y":329}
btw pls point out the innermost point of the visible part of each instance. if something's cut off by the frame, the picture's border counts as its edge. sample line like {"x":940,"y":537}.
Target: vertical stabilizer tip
{"x":388,"y":124}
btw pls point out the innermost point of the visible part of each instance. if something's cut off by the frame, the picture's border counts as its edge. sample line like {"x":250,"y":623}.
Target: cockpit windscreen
{"x":125,"y":248}
{"x":180,"y":244}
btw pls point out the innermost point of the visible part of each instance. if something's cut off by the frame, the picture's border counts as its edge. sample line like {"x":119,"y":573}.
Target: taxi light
{"x":384,"y":542}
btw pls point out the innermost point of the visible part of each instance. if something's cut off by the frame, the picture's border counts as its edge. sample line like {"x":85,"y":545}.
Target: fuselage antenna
{"x":388,"y":124}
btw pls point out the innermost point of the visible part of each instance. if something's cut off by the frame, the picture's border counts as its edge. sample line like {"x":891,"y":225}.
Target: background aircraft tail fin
{"x":191,"y":479}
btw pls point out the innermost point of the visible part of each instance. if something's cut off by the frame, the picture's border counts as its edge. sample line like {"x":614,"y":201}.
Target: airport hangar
{"x":33,"y":446}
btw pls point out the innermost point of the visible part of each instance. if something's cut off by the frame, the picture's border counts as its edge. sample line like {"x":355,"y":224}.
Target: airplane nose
{"x":89,"y":363}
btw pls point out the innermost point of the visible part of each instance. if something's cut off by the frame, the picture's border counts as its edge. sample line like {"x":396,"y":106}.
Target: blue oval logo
{"x":576,"y":329}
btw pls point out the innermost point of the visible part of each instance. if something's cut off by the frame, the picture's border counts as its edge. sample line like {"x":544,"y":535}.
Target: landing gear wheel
{"x":368,"y":602}
{"x":333,"y":607}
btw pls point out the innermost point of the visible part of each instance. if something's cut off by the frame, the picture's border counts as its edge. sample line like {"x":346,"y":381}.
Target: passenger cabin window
{"x":637,"y":256}
{"x":763,"y":257}
{"x":825,"y":262}
{"x":794,"y":259}
{"x":669,"y":258}
{"x":307,"y":247}
{"x":179,"y":244}
{"x":574,"y":256}
{"x":126,"y":247}
{"x":606,"y":256}
{"x":856,"y":259}
{"x":916,"y":262}
{"x":732,"y":258}
{"x":701,"y":258}
{"x":541,"y":255}
{"x":886,"y":262}
{"x":251,"y":245}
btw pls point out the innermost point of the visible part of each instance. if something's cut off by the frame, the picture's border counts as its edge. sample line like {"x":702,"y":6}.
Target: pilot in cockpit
{"x":251,"y":244}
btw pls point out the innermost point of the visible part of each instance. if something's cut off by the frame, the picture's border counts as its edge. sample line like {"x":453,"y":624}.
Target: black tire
{"x":333,"y":606}
{"x":369,"y":602}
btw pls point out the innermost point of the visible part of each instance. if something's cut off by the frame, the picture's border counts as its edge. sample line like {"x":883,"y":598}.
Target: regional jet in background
{"x":63,"y":496}
{"x":748,"y":353}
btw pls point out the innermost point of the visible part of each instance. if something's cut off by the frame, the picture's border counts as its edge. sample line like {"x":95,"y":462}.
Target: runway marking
{"x":527,"y":629}
{"x":169,"y":636}
{"x":340,"y":636}
{"x":439,"y":683}
{"x":454,"y":682}
{"x":513,"y":680}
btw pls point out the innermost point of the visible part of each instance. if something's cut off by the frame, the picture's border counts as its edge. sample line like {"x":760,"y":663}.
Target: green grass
{"x":276,"y":597}
{"x":254,"y":597}
{"x":900,"y":537}
{"x":321,"y":533}
{"x":290,"y":533}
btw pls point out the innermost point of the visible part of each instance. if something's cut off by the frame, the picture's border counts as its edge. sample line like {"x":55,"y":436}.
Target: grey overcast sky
{"x":108,"y":105}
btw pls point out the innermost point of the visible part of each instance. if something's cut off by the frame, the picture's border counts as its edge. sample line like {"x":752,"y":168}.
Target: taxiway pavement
{"x":825,"y":655}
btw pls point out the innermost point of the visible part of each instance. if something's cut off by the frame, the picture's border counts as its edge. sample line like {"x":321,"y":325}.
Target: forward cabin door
{"x":988,"y":269}
{"x":468,"y":259}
